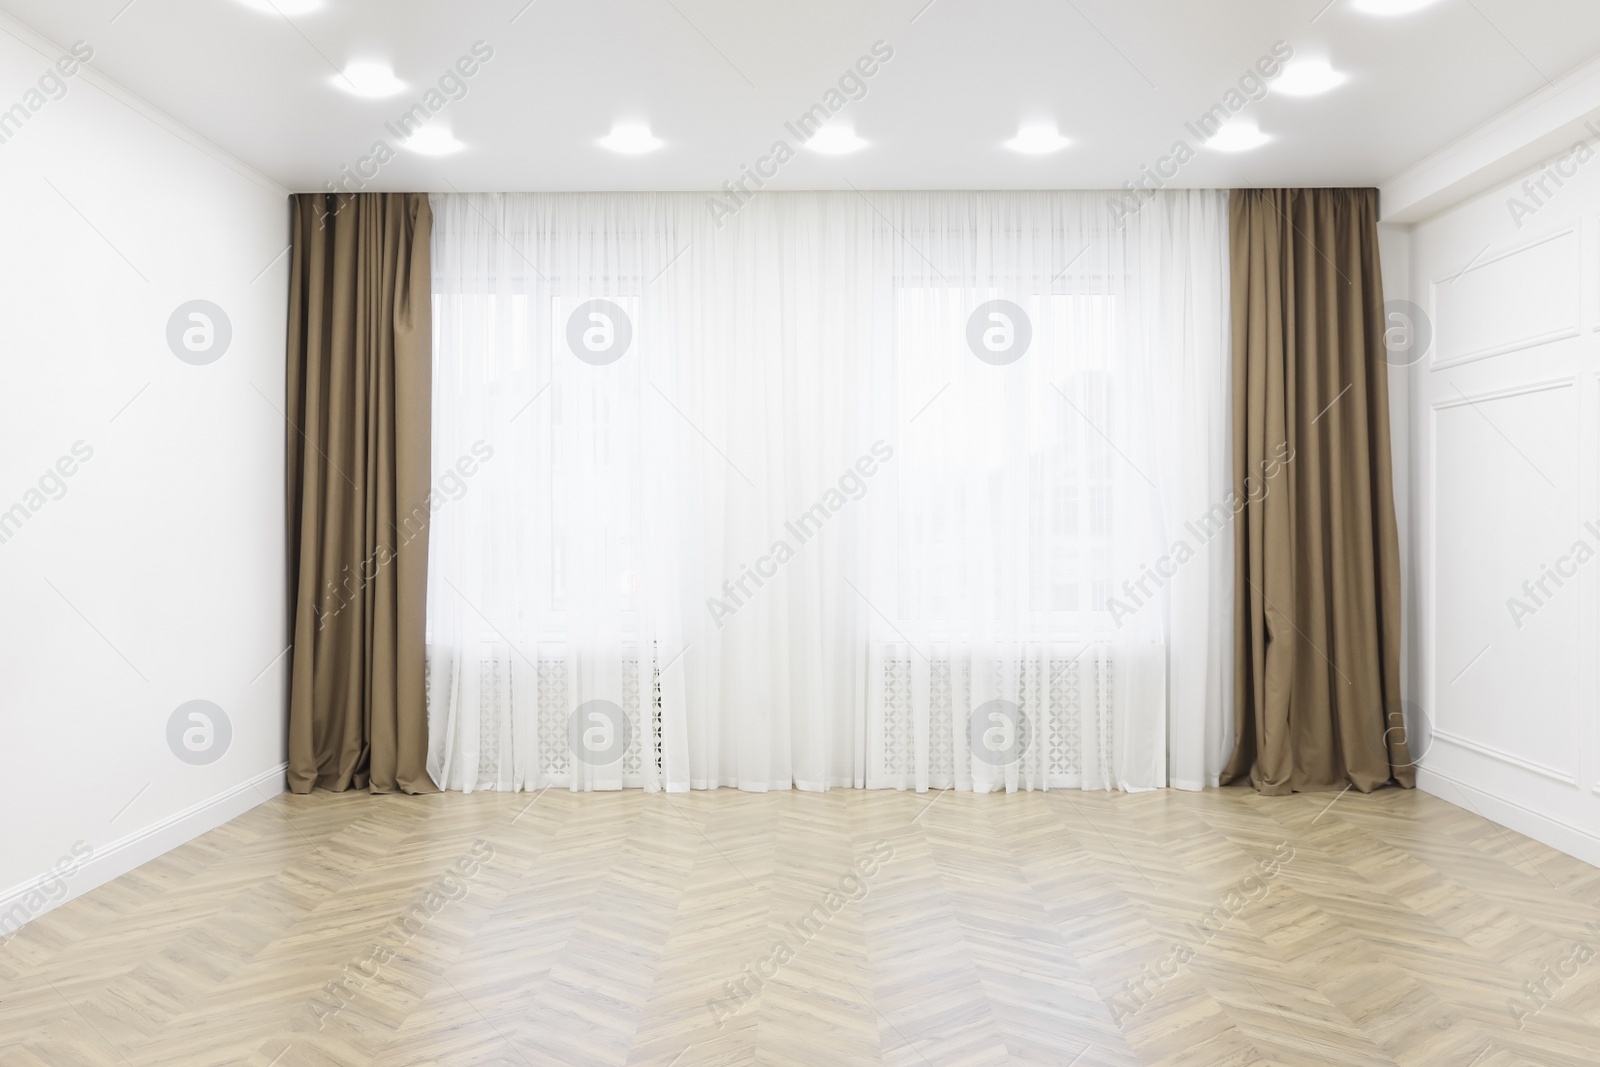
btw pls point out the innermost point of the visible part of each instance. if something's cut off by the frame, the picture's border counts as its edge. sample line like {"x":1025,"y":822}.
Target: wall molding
{"x":1531,"y":241}
{"x":1520,"y":140}
{"x":1552,"y":773}
{"x":1535,"y":341}
{"x":1541,"y":827}
{"x":1544,"y":385}
{"x":116,"y":858}
{"x":1574,"y":230}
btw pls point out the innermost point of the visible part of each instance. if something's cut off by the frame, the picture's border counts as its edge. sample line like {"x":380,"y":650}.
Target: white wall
{"x":1394,"y":253}
{"x":1505,"y":472}
{"x":153,"y":574}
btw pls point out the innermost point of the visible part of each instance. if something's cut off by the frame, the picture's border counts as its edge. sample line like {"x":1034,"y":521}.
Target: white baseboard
{"x":1542,"y":828}
{"x":124,"y":854}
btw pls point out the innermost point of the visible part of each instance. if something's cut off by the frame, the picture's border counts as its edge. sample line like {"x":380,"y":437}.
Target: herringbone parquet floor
{"x":1212,"y":930}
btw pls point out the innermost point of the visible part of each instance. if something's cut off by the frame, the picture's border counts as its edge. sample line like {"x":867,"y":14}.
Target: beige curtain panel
{"x":1317,"y":616}
{"x":359,"y":425}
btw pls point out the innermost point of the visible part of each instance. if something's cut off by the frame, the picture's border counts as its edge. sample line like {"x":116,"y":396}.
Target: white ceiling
{"x":716,"y":79}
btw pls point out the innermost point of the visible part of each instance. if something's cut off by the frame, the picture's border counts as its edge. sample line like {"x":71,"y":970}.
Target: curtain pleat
{"x":358,"y":473}
{"x":1317,"y":609}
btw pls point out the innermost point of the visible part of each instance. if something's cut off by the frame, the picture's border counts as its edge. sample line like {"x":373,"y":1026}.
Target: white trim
{"x":1431,"y":546}
{"x":1506,"y":253}
{"x":1509,"y":391}
{"x":1573,"y":230}
{"x":1515,"y":761}
{"x":1569,"y":839}
{"x":1521,"y":139}
{"x":1535,"y":341}
{"x":141,"y":846}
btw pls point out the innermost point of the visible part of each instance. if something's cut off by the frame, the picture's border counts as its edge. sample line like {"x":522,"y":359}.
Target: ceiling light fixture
{"x":1237,"y":136}
{"x":1387,"y":8}
{"x":1307,"y":77}
{"x":835,"y":141}
{"x":433,"y":141}
{"x":1037,"y":139}
{"x":631,"y":139}
{"x":369,"y":78}
{"x":283,"y":7}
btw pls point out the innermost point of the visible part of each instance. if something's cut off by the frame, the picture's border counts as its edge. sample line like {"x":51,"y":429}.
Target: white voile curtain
{"x":850,"y":490}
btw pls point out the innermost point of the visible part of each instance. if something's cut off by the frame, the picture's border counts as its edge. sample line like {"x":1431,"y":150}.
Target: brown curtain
{"x":360,"y":415}
{"x":1317,"y":615}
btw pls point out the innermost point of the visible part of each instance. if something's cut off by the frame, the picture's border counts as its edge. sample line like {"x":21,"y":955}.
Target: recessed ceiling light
{"x":835,"y":141}
{"x":1392,"y":7}
{"x":368,"y":78}
{"x":1237,"y":136}
{"x":283,"y":7}
{"x":630,"y":139}
{"x":1307,"y":77}
{"x":1037,"y":140}
{"x":433,"y":141}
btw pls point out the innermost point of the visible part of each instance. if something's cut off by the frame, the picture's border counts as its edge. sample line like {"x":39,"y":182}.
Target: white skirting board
{"x":1572,"y":840}
{"x":118,"y":857}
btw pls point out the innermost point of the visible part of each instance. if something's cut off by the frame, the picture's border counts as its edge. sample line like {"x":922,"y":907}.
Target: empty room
{"x":694,"y":533}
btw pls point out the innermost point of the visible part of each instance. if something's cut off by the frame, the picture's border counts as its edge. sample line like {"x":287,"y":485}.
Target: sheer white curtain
{"x":874,"y":489}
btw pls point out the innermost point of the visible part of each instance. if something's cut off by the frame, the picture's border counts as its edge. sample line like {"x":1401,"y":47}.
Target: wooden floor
{"x":1211,"y":929}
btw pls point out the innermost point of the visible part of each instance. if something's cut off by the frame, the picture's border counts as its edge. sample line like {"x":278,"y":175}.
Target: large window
{"x":837,"y":470}
{"x":1008,"y":457}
